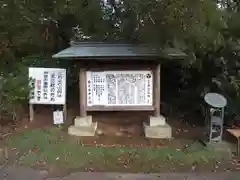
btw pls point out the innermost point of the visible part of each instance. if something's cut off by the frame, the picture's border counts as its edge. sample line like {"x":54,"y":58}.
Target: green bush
{"x":14,"y":88}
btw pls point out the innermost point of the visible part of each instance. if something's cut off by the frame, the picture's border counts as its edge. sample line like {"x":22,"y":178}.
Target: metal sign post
{"x":216,"y":116}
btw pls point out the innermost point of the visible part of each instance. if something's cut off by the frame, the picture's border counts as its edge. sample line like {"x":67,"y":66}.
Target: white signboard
{"x":58,"y":117}
{"x":49,"y":86}
{"x":119,"y":88}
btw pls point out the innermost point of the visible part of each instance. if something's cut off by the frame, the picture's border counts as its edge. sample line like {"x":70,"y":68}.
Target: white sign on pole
{"x":58,"y":117}
{"x":49,"y":86}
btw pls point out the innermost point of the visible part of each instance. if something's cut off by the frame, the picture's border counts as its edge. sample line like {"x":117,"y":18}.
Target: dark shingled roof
{"x":101,"y":50}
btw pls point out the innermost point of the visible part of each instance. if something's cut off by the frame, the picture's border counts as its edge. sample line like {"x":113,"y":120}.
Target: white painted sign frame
{"x":32,"y":74}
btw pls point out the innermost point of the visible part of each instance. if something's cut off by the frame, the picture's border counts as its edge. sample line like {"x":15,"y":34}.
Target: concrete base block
{"x":83,"y":130}
{"x":83,"y":121}
{"x":157,"y":120}
{"x":158,"y":132}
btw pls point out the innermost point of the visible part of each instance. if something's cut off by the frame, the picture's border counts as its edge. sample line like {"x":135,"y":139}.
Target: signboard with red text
{"x":49,"y":86}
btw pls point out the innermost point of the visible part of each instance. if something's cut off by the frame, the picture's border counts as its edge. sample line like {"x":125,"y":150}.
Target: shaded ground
{"x":112,"y":122}
{"x":120,"y":129}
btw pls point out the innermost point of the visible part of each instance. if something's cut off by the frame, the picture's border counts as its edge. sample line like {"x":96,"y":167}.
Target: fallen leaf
{"x":204,"y":159}
{"x":169,"y":157}
{"x":194,"y":167}
{"x":44,"y":172}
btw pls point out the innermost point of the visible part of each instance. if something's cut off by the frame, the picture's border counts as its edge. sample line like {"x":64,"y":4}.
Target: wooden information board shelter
{"x":118,"y":77}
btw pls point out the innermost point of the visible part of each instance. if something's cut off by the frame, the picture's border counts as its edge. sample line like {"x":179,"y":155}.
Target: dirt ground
{"x":120,"y":128}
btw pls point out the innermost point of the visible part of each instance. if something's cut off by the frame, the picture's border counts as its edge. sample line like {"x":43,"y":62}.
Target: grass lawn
{"x":54,"y":148}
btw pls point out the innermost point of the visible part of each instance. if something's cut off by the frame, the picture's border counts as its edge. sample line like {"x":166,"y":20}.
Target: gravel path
{"x":20,"y":173}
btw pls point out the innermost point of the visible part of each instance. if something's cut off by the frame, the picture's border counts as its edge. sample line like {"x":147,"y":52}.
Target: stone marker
{"x":83,"y":121}
{"x":157,"y":121}
{"x":83,"y":126}
{"x":160,"y":132}
{"x":157,"y":128}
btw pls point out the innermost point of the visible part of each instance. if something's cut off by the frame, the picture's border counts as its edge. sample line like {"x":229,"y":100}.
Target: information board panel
{"x":49,"y":86}
{"x":120,"y":88}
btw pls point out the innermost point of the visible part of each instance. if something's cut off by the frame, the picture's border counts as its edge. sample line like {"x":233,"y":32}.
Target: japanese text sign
{"x":49,"y":86}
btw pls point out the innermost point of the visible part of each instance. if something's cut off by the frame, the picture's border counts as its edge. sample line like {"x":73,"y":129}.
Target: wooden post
{"x":65,"y":106}
{"x":65,"y":113}
{"x":31,"y":112}
{"x":82,"y":90}
{"x":157,"y":90}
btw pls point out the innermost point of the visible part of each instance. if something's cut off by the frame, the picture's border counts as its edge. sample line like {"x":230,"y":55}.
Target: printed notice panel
{"x":49,"y":86}
{"x":120,"y":88}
